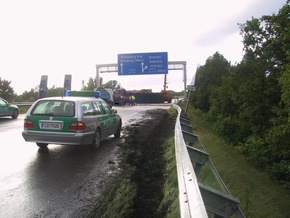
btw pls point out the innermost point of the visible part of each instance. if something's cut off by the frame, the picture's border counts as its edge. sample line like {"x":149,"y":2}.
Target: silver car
{"x":70,"y":121}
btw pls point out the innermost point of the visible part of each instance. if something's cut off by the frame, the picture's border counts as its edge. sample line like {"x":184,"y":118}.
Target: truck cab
{"x":121,"y":97}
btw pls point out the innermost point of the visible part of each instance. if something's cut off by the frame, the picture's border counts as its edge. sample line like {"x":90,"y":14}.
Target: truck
{"x":121,"y":96}
{"x":167,"y":96}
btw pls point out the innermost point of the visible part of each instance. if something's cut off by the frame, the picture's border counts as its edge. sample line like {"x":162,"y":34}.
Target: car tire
{"x":97,"y":139}
{"x":15,"y":114}
{"x":41,"y":145}
{"x":118,"y":133}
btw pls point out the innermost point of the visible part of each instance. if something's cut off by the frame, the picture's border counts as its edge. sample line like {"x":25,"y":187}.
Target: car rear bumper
{"x":58,"y":138}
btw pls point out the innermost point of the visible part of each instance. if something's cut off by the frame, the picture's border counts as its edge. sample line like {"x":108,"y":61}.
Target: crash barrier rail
{"x":23,"y":104}
{"x":195,"y":198}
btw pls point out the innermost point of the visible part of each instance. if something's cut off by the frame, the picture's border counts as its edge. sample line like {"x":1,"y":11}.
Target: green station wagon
{"x":70,"y":121}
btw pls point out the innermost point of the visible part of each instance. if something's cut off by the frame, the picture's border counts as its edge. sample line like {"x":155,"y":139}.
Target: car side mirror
{"x":114,"y":111}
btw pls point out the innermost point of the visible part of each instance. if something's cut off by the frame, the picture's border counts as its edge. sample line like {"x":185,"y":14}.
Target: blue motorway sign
{"x":143,"y":64}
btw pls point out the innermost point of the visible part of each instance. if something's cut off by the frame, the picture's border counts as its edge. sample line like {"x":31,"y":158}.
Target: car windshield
{"x":3,"y":102}
{"x":120,"y":92}
{"x":54,"y":108}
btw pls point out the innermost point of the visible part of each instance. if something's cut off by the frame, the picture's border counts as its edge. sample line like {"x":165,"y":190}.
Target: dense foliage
{"x":249,"y":103}
{"x":6,"y":91}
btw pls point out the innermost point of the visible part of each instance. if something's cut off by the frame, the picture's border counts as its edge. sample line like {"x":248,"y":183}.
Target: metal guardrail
{"x":23,"y":104}
{"x":195,"y":198}
{"x":190,"y":200}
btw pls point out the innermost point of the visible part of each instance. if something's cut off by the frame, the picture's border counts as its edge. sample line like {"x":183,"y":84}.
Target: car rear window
{"x":54,"y":108}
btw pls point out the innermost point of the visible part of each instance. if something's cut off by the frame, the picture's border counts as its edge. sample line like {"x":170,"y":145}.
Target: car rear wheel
{"x":97,"y":140}
{"x":15,"y":114}
{"x":118,"y":133}
{"x":42,"y":145}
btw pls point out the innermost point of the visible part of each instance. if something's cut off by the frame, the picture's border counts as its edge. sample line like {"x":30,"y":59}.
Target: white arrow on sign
{"x":143,"y":67}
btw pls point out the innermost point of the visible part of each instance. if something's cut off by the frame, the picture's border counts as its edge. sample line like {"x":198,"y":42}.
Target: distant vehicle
{"x":70,"y":121}
{"x":121,"y":96}
{"x":106,"y":95}
{"x":167,"y":96}
{"x":7,"y":109}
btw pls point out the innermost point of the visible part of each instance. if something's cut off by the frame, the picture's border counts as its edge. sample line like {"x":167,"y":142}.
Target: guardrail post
{"x":189,"y":138}
{"x":199,"y":157}
{"x":218,"y":203}
{"x":186,"y":127}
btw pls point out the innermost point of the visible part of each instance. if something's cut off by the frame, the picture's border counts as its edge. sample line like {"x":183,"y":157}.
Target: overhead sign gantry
{"x":142,"y":63}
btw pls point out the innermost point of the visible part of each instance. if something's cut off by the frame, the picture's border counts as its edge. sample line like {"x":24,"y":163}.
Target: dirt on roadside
{"x":138,"y":189}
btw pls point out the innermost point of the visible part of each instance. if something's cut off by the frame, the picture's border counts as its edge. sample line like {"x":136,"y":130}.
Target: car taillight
{"x":28,"y":124}
{"x":77,"y":126}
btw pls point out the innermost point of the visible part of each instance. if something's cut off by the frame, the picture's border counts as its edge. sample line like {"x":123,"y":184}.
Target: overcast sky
{"x":59,"y":37}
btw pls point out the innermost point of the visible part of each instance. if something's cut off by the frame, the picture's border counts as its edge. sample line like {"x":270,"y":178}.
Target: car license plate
{"x":51,"y":125}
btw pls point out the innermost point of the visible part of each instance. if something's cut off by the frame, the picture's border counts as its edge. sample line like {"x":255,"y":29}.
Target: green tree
{"x":6,"y":91}
{"x":55,"y":91}
{"x":112,"y":84}
{"x":249,"y":103}
{"x":208,"y":77}
{"x":278,"y":136}
{"x":91,"y":85}
{"x":224,"y":110}
{"x":284,"y":82}
{"x":26,"y":96}
{"x":238,"y":105}
{"x":266,"y":45}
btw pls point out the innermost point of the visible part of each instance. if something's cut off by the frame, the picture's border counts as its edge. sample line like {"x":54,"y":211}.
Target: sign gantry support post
{"x":105,"y":68}
{"x":179,"y":65}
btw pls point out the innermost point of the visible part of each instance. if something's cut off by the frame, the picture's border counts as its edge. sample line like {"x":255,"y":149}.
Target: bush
{"x":281,"y":172}
{"x":230,"y":129}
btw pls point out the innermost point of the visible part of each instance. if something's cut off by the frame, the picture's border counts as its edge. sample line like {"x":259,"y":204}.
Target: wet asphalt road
{"x":63,"y":181}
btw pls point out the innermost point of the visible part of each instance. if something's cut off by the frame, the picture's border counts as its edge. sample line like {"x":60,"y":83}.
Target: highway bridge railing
{"x":196,"y":199}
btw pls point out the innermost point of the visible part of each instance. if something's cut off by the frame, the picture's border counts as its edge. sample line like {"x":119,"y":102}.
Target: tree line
{"x":249,"y":103}
{"x":7,"y":91}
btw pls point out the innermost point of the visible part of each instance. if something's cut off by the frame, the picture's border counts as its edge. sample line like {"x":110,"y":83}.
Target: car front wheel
{"x":42,"y":145}
{"x":15,"y":114}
